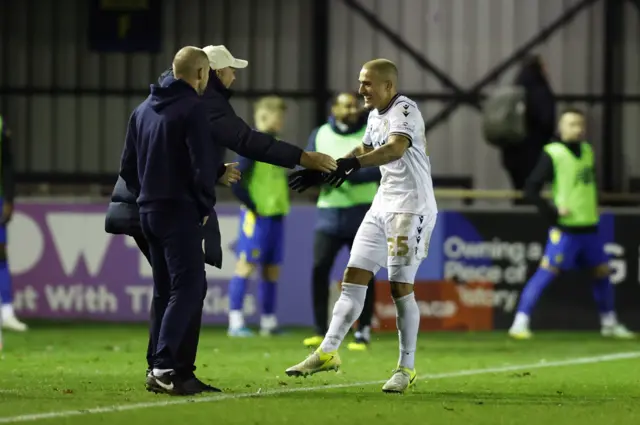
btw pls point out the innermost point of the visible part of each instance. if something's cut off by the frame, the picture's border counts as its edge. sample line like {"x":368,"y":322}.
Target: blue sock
{"x":604,"y":295}
{"x":6,"y":292}
{"x":533,"y":289}
{"x":267,"y":293}
{"x":237,"y":289}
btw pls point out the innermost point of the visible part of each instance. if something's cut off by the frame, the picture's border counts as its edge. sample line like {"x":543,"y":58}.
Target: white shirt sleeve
{"x":403,"y":120}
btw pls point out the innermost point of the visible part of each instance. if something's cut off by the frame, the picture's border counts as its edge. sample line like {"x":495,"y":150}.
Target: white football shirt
{"x":406,"y":184}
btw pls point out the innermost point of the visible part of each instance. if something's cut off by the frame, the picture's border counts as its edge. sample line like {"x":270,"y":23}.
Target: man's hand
{"x":231,"y":174}
{"x":563,"y":212}
{"x":7,"y":212}
{"x":346,"y":166}
{"x":304,"y":179}
{"x":318,"y":161}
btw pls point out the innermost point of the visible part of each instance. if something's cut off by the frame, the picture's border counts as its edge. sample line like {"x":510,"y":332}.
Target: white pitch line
{"x":210,"y":399}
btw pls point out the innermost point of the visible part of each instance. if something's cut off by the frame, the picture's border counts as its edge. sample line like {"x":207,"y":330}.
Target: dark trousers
{"x":143,"y":245}
{"x":325,"y":251}
{"x":175,"y":250}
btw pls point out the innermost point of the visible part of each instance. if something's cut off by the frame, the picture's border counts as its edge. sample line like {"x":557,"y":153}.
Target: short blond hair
{"x":270,"y":103}
{"x":383,"y":67}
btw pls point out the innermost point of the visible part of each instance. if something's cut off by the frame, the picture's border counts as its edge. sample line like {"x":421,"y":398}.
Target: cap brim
{"x":239,"y":63}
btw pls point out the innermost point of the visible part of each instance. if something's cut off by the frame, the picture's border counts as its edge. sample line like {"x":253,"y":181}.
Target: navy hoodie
{"x":168,"y":160}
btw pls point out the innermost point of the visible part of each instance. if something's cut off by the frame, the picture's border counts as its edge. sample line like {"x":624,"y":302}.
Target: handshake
{"x":321,"y":169}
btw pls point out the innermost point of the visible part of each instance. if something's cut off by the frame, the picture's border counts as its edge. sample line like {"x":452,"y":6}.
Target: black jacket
{"x":228,"y":131}
{"x":123,"y":219}
{"x":168,"y":156}
{"x":540,"y":116}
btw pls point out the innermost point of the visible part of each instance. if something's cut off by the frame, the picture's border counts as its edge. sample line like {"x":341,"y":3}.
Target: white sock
{"x":268,"y":322}
{"x":608,"y":320}
{"x":236,"y":319}
{"x":7,"y":310}
{"x":160,"y":372}
{"x":345,"y":313}
{"x":521,"y":321}
{"x":408,"y":323}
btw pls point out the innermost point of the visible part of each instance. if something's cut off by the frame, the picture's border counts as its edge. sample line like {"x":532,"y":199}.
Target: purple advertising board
{"x":65,"y":266}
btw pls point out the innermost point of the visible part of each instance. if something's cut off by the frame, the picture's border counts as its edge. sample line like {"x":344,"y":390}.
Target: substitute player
{"x":396,"y":230}
{"x":265,"y":198}
{"x":574,"y":240}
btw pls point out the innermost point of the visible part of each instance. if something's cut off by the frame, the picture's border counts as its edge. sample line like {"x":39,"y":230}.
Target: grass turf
{"x":70,"y":370}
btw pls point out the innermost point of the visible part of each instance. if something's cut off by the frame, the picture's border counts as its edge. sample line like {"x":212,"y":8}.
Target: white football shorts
{"x":397,"y":241}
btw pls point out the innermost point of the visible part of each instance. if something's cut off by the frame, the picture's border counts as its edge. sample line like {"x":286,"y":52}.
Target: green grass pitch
{"x":94,"y":374}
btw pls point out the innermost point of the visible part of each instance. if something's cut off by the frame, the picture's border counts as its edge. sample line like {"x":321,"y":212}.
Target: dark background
{"x":69,"y":79}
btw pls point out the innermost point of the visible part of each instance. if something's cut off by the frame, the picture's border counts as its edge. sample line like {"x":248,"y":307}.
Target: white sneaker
{"x":617,"y":332}
{"x":11,"y":322}
{"x":400,"y":381}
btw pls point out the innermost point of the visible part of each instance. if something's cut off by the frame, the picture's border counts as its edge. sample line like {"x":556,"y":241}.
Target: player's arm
{"x":396,"y":146}
{"x":359,"y":151}
{"x":541,"y":174}
{"x":402,"y":126}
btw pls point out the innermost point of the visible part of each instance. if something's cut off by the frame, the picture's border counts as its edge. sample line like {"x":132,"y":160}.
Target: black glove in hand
{"x":302,"y":180}
{"x":346,"y":166}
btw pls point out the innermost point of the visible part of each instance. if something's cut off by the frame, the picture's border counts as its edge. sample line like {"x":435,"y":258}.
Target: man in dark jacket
{"x":166,"y":163}
{"x":520,"y":160}
{"x":229,"y":131}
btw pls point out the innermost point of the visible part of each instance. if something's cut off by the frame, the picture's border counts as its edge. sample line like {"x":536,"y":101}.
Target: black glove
{"x":302,"y":180}
{"x":346,"y":166}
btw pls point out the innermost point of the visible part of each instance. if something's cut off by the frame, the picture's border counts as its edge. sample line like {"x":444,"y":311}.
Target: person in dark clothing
{"x":229,"y":131}
{"x":8,"y":318}
{"x":123,"y":218}
{"x":174,"y":185}
{"x":340,"y":212}
{"x":520,"y":160}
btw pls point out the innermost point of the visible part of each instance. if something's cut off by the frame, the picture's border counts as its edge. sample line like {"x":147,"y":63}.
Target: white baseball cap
{"x":220,"y":57}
